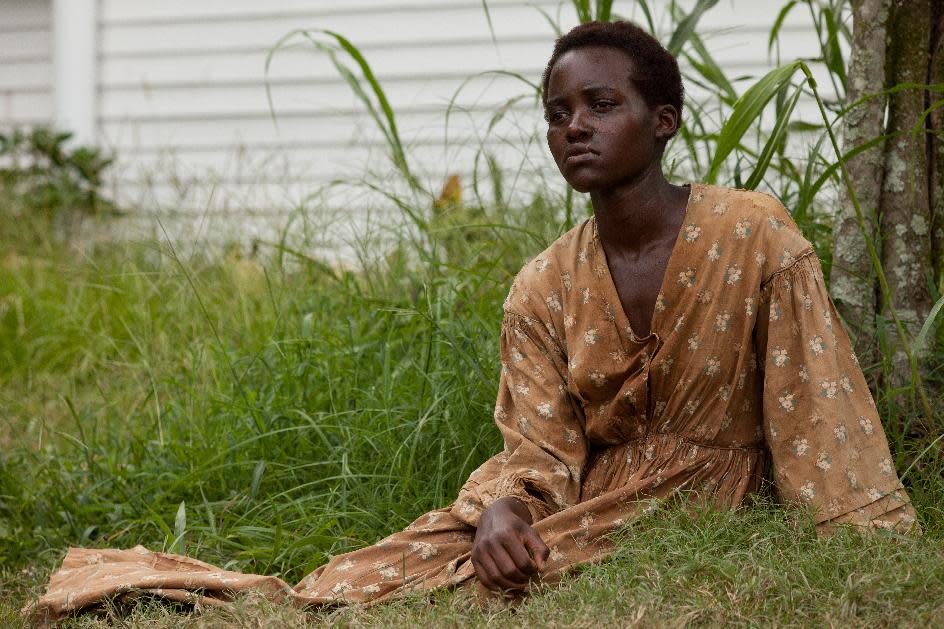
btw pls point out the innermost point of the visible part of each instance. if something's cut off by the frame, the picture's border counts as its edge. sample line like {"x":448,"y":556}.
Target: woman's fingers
{"x":496,"y":568}
{"x":518,"y":553}
{"x":507,"y":566}
{"x":539,"y":550}
{"x":490,"y":574}
{"x":484,"y":571}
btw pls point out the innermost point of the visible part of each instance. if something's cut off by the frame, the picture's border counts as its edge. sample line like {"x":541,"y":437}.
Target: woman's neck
{"x":640,"y":212}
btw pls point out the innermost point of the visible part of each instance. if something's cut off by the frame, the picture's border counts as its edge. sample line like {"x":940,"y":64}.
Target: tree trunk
{"x":852,"y":277}
{"x":936,"y":139}
{"x":904,"y":206}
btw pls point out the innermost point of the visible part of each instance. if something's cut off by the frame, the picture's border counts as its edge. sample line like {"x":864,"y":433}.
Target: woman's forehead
{"x":592,"y":65}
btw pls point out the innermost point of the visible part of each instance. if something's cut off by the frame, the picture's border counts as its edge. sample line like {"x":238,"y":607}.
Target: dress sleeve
{"x":545,"y":447}
{"x":827,"y":446}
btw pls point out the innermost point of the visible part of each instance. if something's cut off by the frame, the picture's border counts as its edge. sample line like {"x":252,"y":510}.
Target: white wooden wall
{"x":183,"y":101}
{"x":25,"y":63}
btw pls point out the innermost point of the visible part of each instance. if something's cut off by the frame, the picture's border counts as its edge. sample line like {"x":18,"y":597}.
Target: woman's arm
{"x":539,"y":472}
{"x":545,"y":447}
{"x":826,"y":441}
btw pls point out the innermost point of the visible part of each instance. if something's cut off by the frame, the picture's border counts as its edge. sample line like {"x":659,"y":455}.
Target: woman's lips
{"x":579,"y":157}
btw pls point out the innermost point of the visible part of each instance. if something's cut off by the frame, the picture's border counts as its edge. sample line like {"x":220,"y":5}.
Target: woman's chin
{"x":583,"y":184}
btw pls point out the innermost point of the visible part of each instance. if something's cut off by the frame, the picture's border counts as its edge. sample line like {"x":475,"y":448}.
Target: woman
{"x":680,"y":342}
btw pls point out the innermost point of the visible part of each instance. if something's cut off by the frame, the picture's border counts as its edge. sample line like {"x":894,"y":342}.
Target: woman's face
{"x":600,"y":130}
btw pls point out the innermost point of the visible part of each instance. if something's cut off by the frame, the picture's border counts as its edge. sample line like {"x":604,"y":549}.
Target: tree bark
{"x":852,"y":276}
{"x":904,"y":206}
{"x":936,"y":140}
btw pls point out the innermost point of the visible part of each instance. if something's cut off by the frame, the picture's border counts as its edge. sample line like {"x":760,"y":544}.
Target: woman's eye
{"x":556,"y":116}
{"x":602,"y":105}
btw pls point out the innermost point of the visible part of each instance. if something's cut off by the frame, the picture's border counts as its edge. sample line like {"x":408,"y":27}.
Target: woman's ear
{"x":667,"y":121}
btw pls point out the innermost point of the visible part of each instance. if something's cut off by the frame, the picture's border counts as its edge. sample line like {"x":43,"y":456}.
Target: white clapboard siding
{"x":314,"y":167}
{"x":26,"y":96}
{"x":130,"y":135}
{"x":207,"y":119}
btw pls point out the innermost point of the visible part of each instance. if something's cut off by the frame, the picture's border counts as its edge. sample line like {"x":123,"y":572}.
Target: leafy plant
{"x":42,"y":174}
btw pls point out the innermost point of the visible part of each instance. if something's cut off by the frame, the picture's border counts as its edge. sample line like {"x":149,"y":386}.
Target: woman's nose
{"x":579,"y":127}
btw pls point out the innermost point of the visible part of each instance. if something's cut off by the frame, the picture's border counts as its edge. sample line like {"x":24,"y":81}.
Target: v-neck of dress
{"x":609,"y":284}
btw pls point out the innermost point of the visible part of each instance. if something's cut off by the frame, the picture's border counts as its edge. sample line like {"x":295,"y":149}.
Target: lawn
{"x":265,"y":413}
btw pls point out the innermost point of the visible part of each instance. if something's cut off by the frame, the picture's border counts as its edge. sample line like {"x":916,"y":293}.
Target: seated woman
{"x":678,"y":343}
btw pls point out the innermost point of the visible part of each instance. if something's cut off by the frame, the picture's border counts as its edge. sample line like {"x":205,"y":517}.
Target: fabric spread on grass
{"x":746,"y":374}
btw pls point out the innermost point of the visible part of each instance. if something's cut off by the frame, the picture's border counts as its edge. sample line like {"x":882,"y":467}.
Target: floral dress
{"x":747,"y":374}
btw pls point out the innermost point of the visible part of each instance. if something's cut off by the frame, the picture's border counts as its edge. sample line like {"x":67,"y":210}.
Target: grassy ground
{"x":263,"y":416}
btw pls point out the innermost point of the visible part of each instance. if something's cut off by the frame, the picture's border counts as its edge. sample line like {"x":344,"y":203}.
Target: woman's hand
{"x":507,"y":551}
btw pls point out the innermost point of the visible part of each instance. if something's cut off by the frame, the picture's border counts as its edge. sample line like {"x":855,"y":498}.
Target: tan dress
{"x":746,"y":374}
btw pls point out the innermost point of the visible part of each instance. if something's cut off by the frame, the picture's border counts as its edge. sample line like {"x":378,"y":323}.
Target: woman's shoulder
{"x":728,"y":205}
{"x":754,"y":225}
{"x":539,"y":287}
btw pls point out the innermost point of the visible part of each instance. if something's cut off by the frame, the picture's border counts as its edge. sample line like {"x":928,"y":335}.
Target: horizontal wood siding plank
{"x":312,"y":203}
{"x":26,"y":92}
{"x":125,"y":12}
{"x":392,"y":27}
{"x":26,"y":107}
{"x":314,"y":132}
{"x":30,"y":44}
{"x":24,"y":15}
{"x":26,"y":76}
{"x":328,"y":163}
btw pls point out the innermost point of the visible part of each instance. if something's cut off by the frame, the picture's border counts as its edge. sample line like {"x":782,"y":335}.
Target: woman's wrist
{"x":510,"y":504}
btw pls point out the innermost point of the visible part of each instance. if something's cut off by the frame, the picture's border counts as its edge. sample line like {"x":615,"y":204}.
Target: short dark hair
{"x":657,"y":73}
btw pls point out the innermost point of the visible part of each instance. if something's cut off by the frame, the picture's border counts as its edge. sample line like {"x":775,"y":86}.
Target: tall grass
{"x":264,"y":418}
{"x":130,"y":391}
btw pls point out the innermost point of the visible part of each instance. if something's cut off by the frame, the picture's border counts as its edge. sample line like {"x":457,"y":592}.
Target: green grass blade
{"x":604,"y":10}
{"x":778,"y":24}
{"x":554,"y":24}
{"x":582,"y":7}
{"x":922,"y":337}
{"x":381,"y":112}
{"x":777,"y":134}
{"x":687,"y":26}
{"x":491,"y":26}
{"x":710,"y":69}
{"x":180,"y":529}
{"x":396,"y":144}
{"x":832,"y":169}
{"x":647,"y":13}
{"x":257,"y":475}
{"x":747,"y":111}
{"x":921,"y":456}
{"x":832,"y":53}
